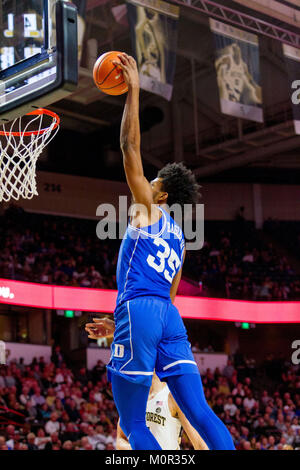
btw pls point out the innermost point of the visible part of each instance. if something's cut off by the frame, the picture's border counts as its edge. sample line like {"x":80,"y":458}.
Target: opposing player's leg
{"x":131,"y":402}
{"x":176,"y":365}
{"x":188,"y":393}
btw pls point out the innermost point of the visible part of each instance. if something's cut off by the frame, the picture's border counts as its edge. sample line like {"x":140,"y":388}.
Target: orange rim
{"x":37,"y":112}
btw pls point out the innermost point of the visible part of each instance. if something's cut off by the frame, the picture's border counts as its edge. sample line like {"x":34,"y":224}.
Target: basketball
{"x":109,"y":77}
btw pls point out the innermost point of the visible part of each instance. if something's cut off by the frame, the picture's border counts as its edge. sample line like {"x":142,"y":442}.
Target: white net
{"x":21,"y":143}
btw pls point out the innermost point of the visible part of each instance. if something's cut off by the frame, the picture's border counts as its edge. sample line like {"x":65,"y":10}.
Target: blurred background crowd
{"x":49,"y":406}
{"x":237,"y":261}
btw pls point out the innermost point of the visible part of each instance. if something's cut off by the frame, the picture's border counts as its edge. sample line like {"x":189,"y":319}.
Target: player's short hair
{"x":180,"y":184}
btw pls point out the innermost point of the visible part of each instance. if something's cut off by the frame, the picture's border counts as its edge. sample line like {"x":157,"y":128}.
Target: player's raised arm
{"x":130,"y":138}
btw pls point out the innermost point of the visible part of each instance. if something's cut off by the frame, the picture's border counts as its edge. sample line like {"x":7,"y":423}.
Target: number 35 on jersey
{"x":165,"y":261}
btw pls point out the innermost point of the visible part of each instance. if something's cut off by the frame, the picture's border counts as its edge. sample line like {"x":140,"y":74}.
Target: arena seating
{"x":235,"y":262}
{"x":50,"y":406}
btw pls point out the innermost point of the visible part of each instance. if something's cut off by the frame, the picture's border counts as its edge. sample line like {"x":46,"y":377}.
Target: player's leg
{"x":134,"y":350}
{"x":176,"y":365}
{"x":188,"y":393}
{"x":131,"y":402}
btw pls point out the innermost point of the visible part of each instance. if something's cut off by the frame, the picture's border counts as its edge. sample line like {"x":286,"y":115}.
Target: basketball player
{"x":150,"y":333}
{"x":165,"y":421}
{"x":163,"y":416}
{"x":234,"y":80}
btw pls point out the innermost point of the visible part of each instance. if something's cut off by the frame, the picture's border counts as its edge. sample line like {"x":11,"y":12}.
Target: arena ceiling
{"x":191,"y":126}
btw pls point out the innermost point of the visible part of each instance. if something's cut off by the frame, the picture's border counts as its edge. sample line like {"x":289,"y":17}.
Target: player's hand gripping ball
{"x":108,"y":77}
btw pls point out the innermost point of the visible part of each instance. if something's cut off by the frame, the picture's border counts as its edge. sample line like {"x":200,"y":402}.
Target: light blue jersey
{"x":149,"y":259}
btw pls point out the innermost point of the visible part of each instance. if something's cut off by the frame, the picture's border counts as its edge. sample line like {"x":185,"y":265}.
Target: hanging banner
{"x":238,"y":71}
{"x":292,"y":59}
{"x":154,"y":31}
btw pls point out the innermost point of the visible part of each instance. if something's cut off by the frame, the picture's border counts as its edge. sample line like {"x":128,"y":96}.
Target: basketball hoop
{"x":20,"y":146}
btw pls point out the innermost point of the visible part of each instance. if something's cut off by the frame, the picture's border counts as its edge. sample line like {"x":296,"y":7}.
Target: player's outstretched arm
{"x":130,"y":138}
{"x":122,"y":441}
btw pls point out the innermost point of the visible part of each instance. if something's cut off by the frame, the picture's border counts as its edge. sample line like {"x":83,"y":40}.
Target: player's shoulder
{"x":171,"y":222}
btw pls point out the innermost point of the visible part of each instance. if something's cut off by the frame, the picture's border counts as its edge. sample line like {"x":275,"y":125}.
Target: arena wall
{"x":15,"y":351}
{"x":204,"y":361}
{"x":79,"y":197}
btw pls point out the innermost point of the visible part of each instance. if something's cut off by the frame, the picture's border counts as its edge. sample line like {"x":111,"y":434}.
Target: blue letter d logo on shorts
{"x":119,"y":350}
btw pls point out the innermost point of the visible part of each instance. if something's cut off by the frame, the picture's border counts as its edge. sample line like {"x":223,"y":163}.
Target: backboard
{"x":38,"y":54}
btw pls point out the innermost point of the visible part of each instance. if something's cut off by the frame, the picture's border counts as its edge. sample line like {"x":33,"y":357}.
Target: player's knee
{"x":199,"y":415}
{"x":133,"y":427}
{"x":138,"y":431}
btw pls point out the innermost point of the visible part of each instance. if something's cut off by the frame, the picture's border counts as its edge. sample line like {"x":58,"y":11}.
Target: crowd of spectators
{"x":287,"y":233}
{"x":55,"y":250}
{"x":233,"y":263}
{"x":50,"y":406}
{"x":258,"y":419}
{"x":238,"y":263}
